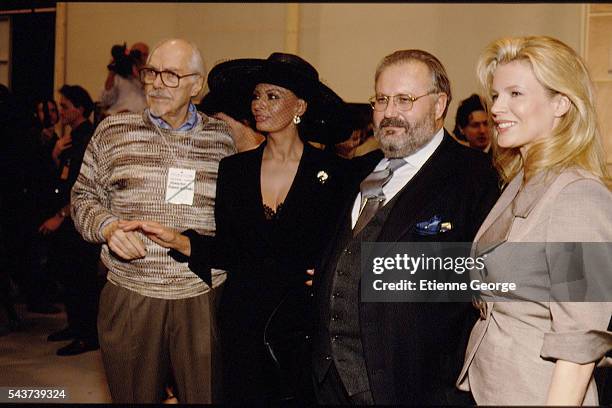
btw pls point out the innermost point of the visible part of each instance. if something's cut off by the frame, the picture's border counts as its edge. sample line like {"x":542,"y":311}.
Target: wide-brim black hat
{"x":231,"y":85}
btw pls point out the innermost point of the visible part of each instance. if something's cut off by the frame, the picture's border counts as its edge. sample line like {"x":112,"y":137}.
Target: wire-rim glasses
{"x":402,"y":102}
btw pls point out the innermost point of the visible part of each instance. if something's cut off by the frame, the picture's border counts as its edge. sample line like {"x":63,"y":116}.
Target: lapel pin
{"x":322,"y":176}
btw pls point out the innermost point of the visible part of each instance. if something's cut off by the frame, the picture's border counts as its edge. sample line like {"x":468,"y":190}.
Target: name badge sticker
{"x":180,"y":186}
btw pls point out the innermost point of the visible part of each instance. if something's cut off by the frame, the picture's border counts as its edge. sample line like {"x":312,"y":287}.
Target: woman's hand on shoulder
{"x":244,"y":136}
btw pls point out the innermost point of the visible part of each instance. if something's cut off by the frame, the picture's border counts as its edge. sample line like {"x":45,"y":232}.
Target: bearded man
{"x":401,"y":353}
{"x":156,"y":320}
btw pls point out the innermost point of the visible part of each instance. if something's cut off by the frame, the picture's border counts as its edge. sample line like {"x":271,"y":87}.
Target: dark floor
{"x":27,"y":360}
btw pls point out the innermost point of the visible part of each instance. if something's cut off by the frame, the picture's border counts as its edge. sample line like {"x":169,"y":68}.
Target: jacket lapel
{"x":413,"y":199}
{"x":531,"y":194}
{"x":496,"y":227}
{"x":515,"y":203}
{"x":360,"y":167}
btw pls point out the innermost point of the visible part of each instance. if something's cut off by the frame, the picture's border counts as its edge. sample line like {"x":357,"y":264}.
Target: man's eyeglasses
{"x":168,"y":78}
{"x":402,"y":102}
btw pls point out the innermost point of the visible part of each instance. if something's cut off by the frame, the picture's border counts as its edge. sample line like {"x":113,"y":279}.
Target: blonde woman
{"x":528,"y":349}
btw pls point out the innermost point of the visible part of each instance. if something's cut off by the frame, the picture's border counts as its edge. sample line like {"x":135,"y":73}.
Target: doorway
{"x":32,"y":56}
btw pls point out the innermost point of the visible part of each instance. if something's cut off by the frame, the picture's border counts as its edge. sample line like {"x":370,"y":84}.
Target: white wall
{"x":344,"y":41}
{"x":220,"y":30}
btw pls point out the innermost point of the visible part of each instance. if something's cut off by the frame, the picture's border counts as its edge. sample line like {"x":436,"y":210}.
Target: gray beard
{"x":415,"y":136}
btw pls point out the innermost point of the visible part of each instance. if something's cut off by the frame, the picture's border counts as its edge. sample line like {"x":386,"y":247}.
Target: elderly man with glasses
{"x":427,"y":188}
{"x":156,"y":319}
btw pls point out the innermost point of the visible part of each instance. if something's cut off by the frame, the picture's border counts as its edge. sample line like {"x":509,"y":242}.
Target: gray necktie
{"x":372,"y":196}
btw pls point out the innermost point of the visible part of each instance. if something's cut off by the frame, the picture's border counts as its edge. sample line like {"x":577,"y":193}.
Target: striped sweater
{"x":123,"y":176}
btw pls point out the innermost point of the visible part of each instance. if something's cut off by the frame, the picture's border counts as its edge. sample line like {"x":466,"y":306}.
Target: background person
{"x":531,"y":351}
{"x":41,"y":193}
{"x":14,"y":218}
{"x":140,"y":51}
{"x":472,"y":123}
{"x":13,"y":126}
{"x":362,"y":140}
{"x":75,"y":261}
{"x":123,"y":90}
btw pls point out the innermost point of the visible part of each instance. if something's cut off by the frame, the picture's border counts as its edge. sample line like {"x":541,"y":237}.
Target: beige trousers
{"x":146,"y":342}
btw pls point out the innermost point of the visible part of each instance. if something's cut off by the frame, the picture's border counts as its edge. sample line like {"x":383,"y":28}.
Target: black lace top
{"x":272,"y":215}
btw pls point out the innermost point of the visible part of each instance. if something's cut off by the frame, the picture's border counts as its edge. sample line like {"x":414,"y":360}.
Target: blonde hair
{"x":575,"y":141}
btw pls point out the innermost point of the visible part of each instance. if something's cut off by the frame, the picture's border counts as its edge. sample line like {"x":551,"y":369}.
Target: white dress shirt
{"x":403,"y":175}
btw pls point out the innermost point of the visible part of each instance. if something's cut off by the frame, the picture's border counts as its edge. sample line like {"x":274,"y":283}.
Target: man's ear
{"x":561,"y":104}
{"x":197,"y":87}
{"x":441,"y":105}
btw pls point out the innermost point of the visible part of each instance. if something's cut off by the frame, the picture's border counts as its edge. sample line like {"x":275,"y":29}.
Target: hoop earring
{"x":297,"y":119}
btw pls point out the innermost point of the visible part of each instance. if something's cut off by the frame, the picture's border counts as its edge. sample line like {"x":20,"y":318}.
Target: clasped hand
{"x":123,"y":238}
{"x":125,"y":244}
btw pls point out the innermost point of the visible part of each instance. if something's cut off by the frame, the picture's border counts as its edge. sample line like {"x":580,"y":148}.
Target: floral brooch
{"x":322,"y":176}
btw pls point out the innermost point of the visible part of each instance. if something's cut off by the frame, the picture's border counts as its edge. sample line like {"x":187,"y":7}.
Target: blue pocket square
{"x":433,"y":226}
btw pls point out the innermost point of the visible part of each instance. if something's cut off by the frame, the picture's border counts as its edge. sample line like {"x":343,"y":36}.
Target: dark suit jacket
{"x":414,"y":351}
{"x":243,"y":240}
{"x":73,"y":156}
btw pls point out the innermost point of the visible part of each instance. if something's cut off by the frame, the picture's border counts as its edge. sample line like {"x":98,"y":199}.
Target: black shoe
{"x":77,"y":347}
{"x":43,"y":308}
{"x":62,"y":335}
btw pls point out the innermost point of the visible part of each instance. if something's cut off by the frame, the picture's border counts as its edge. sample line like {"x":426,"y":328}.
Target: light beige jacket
{"x":513,"y":347}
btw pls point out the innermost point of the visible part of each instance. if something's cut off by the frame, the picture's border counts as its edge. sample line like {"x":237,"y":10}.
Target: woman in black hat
{"x":275,"y":210}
